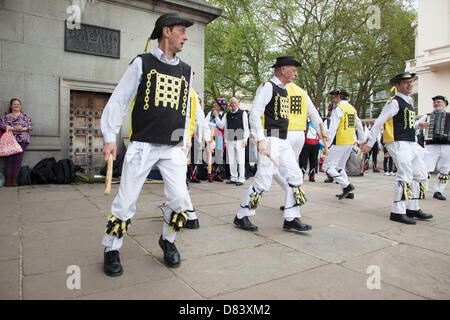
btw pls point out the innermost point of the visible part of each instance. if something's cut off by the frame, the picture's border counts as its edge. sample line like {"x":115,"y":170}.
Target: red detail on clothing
{"x":311,"y":141}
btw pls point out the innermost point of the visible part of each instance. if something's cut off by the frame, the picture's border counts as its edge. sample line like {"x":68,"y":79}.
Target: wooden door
{"x":86,"y":140}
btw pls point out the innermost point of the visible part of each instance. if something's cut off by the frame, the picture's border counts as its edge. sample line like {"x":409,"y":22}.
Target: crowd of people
{"x":282,"y":133}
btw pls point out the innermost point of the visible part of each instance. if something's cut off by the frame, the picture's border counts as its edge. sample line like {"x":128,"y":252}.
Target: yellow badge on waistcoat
{"x":298,"y":107}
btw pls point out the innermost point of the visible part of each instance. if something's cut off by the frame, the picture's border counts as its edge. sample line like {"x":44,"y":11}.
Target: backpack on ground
{"x":24,"y":176}
{"x":64,"y":172}
{"x":44,"y":171}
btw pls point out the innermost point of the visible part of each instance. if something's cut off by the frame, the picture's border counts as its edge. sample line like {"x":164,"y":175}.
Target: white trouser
{"x":438,"y":155}
{"x":334,"y":163}
{"x":236,"y":157}
{"x":408,"y":159}
{"x":296,"y":139}
{"x":138,"y":161}
{"x":281,"y":151}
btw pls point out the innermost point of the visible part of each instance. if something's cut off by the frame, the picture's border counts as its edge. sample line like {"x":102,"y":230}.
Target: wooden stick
{"x":325,"y":147}
{"x":109,"y":170}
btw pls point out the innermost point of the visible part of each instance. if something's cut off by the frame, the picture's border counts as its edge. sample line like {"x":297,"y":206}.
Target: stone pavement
{"x":46,"y":229}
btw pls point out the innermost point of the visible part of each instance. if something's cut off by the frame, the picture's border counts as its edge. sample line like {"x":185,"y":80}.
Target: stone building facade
{"x":432,"y":52}
{"x":63,"y":59}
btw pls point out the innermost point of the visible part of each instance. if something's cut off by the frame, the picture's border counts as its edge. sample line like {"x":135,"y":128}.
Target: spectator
{"x":20,"y":124}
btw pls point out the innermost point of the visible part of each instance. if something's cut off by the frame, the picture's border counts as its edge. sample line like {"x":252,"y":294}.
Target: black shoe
{"x":296,"y":224}
{"x":111,"y":264}
{"x":376,"y":170}
{"x":210,"y":179}
{"x":218,"y":179}
{"x":419,"y":214}
{"x":351,"y":195}
{"x":192,"y":224}
{"x":245,"y":224}
{"x":348,"y":189}
{"x":328,"y":180}
{"x":171,"y":255}
{"x":231,"y":182}
{"x":195,"y":181}
{"x":312,"y":179}
{"x":439,"y":196}
{"x":403,"y":218}
{"x":239,"y":184}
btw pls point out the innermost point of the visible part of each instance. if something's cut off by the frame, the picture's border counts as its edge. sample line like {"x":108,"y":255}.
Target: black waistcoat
{"x":404,"y":121}
{"x":276,"y":114}
{"x":159,"y":112}
{"x":235,"y":125}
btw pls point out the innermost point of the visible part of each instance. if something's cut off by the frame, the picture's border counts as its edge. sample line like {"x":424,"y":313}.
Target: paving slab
{"x":193,"y":244}
{"x":230,"y":271}
{"x":333,"y":243}
{"x":327,"y":282}
{"x":55,"y":230}
{"x":47,"y":211}
{"x":10,"y":245}
{"x":9,"y":279}
{"x":53,"y":285}
{"x":419,"y":271}
{"x":164,"y":289}
{"x":50,"y":255}
{"x":9,"y":225}
{"x":422,"y":236}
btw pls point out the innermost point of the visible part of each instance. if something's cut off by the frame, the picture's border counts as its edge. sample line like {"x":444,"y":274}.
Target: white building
{"x":63,"y":59}
{"x":432,"y":52}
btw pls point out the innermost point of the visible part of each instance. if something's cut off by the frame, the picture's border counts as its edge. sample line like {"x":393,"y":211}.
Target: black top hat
{"x":401,"y":76}
{"x":441,"y":98}
{"x":339,"y":92}
{"x":169,"y":20}
{"x":286,"y":61}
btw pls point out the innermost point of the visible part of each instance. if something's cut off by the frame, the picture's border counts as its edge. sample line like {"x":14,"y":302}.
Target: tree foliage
{"x":337,"y":42}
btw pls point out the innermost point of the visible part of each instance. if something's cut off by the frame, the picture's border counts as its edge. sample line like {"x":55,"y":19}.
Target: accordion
{"x":438,"y":130}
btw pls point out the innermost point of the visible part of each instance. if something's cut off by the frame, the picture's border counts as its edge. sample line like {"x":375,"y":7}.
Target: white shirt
{"x":126,"y":90}
{"x":389,"y":110}
{"x":335,"y":118}
{"x":262,"y":98}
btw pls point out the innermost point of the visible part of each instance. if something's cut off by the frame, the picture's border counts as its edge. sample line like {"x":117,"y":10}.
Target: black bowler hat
{"x":441,"y":98}
{"x":286,"y":61}
{"x":169,"y":20}
{"x":339,"y":92}
{"x":401,"y":76}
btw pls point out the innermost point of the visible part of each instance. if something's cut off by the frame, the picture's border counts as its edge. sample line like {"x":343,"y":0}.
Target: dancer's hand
{"x":210,"y":146}
{"x":109,"y":148}
{"x":262,"y":147}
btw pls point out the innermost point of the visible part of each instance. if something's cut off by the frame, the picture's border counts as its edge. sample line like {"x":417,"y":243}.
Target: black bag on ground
{"x":44,"y":171}
{"x":117,"y":166}
{"x":24,"y":176}
{"x":64,"y":172}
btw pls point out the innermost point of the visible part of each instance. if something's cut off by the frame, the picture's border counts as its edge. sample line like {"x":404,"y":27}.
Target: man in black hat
{"x":158,"y":86}
{"x":399,"y":136}
{"x":271,"y":102}
{"x":437,"y":146}
{"x":343,"y":123}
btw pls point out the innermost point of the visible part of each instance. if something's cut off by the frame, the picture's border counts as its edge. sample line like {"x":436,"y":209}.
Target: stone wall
{"x":35,"y":68}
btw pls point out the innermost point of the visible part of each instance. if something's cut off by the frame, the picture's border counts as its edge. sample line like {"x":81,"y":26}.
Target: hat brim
{"x":395,"y":80}
{"x":287,"y":63}
{"x":175,"y":22}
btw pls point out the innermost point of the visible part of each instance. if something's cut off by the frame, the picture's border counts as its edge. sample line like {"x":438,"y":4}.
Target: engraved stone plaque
{"x":94,"y":40}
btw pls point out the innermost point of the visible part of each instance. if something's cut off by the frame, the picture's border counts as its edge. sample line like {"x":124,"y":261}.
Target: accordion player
{"x":438,"y":131}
